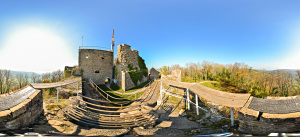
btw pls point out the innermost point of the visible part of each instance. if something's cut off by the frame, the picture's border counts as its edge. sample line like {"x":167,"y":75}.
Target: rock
{"x":194,"y":131}
{"x":183,"y":114}
{"x":181,"y":111}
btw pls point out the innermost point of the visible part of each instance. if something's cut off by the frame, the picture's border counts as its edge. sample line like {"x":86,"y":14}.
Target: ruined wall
{"x":96,"y":64}
{"x":126,"y":82}
{"x":23,"y":114}
{"x":254,"y":122}
{"x":126,"y":56}
{"x":154,"y":74}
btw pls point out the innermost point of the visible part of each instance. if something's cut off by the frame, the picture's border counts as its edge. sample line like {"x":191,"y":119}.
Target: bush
{"x":141,"y":63}
{"x":67,"y":73}
{"x":135,"y":76}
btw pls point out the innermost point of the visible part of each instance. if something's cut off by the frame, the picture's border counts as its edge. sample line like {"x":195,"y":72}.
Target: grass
{"x":129,"y":97}
{"x":115,"y":87}
{"x":222,"y":86}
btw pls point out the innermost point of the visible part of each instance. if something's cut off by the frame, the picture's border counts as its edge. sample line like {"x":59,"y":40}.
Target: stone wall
{"x":154,"y":74}
{"x":23,"y":114}
{"x":126,"y":82}
{"x":255,"y":122}
{"x":126,"y":56}
{"x":96,"y":64}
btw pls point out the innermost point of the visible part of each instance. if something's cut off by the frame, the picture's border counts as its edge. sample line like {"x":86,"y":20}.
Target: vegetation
{"x":239,"y":75}
{"x":222,"y":86}
{"x":135,"y":74}
{"x":9,"y":82}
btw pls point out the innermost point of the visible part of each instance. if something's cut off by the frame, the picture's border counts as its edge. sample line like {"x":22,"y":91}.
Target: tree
{"x":8,"y":80}
{"x":1,"y":81}
{"x":34,"y":77}
{"x":20,"y":79}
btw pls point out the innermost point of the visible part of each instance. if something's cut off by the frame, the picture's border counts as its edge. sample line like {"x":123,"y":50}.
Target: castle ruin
{"x":98,"y":65}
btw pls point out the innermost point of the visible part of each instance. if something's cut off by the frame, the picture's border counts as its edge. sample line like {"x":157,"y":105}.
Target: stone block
{"x":21,"y":108}
{"x":20,"y":121}
{"x":5,"y":115}
{"x":36,"y":96}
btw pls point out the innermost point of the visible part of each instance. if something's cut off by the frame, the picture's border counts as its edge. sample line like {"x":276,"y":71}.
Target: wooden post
{"x":232,"y":116}
{"x":135,"y":96}
{"x":188,"y":98}
{"x":197,"y":109}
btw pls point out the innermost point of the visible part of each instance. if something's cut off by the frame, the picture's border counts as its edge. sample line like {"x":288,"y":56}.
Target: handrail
{"x":107,"y":115}
{"x":111,"y":102}
{"x":141,"y":90}
{"x":107,"y":106}
{"x":107,"y":95}
{"x":78,"y":119}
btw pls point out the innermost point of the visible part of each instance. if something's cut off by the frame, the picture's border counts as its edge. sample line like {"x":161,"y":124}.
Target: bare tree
{"x":20,"y":78}
{"x":1,"y":81}
{"x":46,"y":76}
{"x":26,"y":80}
{"x":34,"y":77}
{"x":8,"y":80}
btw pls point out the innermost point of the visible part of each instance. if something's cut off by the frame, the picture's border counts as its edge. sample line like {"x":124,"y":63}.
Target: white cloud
{"x":35,"y":49}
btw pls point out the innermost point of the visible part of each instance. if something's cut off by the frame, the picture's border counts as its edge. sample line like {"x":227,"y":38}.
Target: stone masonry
{"x":23,"y":114}
{"x":259,"y":123}
{"x":97,"y":65}
{"x":154,"y":74}
{"x":126,"y":56}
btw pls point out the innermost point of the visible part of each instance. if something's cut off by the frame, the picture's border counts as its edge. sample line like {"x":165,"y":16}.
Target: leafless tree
{"x":8,"y":80}
{"x":20,"y":79}
{"x":1,"y":81}
{"x":26,"y":80}
{"x":46,"y":76}
{"x":34,"y":77}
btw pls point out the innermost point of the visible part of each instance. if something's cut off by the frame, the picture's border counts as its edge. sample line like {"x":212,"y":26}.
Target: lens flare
{"x":35,"y":49}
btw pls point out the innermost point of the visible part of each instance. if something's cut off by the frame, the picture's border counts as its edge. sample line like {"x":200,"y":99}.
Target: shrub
{"x":135,"y":76}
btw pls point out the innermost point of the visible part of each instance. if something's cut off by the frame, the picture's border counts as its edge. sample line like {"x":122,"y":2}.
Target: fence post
{"x":161,"y":90}
{"x":232,"y":116}
{"x":188,"y":98}
{"x":135,"y":96}
{"x":77,"y":89}
{"x":57,"y":96}
{"x":197,"y":109}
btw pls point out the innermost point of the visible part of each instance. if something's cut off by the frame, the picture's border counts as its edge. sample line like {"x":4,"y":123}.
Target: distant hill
{"x":291,"y":71}
{"x":14,"y":73}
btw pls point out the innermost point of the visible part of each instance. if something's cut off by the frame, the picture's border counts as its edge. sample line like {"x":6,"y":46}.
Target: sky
{"x":44,"y":36}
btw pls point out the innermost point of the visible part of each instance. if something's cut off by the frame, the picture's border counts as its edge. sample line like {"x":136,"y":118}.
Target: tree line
{"x":10,"y":82}
{"x":259,"y":83}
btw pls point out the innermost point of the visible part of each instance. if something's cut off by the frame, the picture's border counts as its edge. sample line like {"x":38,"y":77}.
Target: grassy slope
{"x":116,"y":88}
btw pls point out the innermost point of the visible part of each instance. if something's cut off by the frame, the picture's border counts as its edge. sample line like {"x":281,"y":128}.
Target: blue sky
{"x":262,"y":34}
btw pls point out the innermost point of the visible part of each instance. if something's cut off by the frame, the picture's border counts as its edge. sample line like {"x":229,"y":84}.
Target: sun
{"x":35,"y":49}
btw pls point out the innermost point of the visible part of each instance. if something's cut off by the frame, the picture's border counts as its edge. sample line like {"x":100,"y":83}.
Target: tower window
{"x":97,"y":71}
{"x":102,"y":57}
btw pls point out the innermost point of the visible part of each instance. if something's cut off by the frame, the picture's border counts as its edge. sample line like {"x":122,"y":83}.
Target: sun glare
{"x":35,"y":49}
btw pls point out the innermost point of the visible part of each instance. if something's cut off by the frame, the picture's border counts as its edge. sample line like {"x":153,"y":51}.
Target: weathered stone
{"x":5,"y":115}
{"x":126,"y":57}
{"x":97,"y":65}
{"x":21,"y":121}
{"x":21,"y":108}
